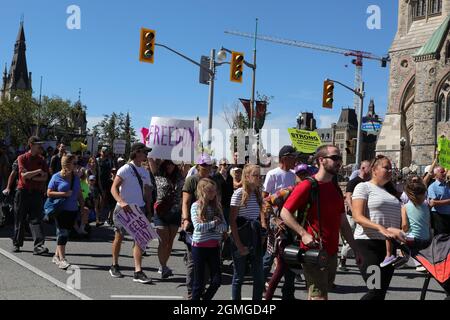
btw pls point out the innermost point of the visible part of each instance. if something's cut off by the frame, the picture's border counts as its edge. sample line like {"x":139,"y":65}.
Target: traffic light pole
{"x":360,"y":93}
{"x":212,"y":73}
{"x":212,"y":67}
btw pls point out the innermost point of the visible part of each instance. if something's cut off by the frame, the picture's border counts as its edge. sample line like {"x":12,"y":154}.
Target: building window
{"x":447,"y":109}
{"x":419,"y":9}
{"x":434,"y":7}
{"x":328,"y":136}
{"x":441,"y":109}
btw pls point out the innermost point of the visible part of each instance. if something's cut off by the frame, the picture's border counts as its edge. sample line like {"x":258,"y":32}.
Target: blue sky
{"x":102,"y":57}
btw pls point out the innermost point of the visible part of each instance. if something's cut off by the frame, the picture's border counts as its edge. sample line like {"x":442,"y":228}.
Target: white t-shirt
{"x":277,"y":179}
{"x":130,"y":190}
{"x":251,"y":210}
{"x":382,"y":208}
{"x":192,"y":172}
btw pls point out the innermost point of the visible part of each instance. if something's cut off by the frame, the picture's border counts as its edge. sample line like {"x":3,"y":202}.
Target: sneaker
{"x":115,"y":271}
{"x":401,"y":263}
{"x":15,"y":249}
{"x":166,"y":272}
{"x":141,"y":277}
{"x":56,"y":260}
{"x":389,"y":260}
{"x":40,"y":250}
{"x":63,"y":264}
{"x":421,"y":269}
{"x":343,"y":265}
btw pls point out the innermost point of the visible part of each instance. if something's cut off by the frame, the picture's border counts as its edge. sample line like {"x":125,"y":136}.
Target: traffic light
{"x":328,"y":90}
{"x":147,"y":50}
{"x":237,"y":66}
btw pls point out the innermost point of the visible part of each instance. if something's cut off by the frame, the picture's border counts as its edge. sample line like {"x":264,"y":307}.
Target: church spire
{"x":19,"y":78}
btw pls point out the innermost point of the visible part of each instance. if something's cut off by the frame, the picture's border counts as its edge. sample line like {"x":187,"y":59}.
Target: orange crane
{"x":358,"y":54}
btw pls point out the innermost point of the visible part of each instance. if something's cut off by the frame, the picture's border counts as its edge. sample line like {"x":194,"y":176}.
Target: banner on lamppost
{"x":247,"y":106}
{"x":305,"y":141}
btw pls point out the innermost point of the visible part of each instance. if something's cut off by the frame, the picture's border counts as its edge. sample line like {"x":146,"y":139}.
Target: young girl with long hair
{"x":246,"y":231}
{"x":209,"y":228}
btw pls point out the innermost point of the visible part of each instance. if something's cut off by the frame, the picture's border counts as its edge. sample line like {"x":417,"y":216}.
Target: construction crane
{"x":358,"y":54}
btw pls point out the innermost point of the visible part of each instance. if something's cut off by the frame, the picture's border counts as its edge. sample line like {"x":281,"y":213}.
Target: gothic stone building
{"x":18,"y":77}
{"x":419,"y":84}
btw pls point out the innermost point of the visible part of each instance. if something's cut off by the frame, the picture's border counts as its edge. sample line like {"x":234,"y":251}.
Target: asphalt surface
{"x":93,"y":258}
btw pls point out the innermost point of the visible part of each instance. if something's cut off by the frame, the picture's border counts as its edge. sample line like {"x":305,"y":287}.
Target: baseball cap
{"x":139,"y":146}
{"x":203,"y":159}
{"x":288,"y":151}
{"x":35,"y":140}
{"x":120,"y":159}
{"x":91,"y":178}
{"x":302,"y":168}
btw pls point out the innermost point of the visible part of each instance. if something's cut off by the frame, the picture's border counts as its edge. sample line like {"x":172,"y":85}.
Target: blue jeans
{"x":239,"y":266}
{"x":206,"y":257}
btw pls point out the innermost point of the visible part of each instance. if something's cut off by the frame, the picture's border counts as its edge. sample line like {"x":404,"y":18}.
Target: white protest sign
{"x":119,"y":146}
{"x":137,"y":225}
{"x":173,"y":139}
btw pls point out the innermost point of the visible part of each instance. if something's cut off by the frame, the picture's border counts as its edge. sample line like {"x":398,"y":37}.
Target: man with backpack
{"x":325,"y":216}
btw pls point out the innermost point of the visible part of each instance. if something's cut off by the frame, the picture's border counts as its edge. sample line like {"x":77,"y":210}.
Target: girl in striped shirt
{"x":209,"y":227}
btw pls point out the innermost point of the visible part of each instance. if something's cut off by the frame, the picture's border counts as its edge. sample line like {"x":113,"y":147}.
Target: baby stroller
{"x":436,"y":260}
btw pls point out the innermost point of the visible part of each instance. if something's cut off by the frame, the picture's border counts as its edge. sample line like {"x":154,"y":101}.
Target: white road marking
{"x":146,"y":297}
{"x":44,"y":275}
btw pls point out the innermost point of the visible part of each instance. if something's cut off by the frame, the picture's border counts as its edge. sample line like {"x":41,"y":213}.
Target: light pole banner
{"x":305,"y":141}
{"x":444,"y":152}
{"x":173,"y":139}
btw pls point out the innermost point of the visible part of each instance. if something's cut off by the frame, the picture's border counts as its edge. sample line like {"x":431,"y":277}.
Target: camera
{"x":295,"y":256}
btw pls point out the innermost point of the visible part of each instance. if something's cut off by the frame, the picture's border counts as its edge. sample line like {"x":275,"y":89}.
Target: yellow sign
{"x":305,"y":141}
{"x":444,"y":152}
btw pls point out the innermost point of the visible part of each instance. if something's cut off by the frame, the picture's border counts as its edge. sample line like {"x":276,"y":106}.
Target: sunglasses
{"x":334,"y":157}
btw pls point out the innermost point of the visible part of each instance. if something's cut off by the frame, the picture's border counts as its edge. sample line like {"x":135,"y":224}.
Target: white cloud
{"x":325,"y":121}
{"x":92,"y":121}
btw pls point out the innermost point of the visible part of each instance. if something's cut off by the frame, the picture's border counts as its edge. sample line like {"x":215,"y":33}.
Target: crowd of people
{"x":232,"y":207}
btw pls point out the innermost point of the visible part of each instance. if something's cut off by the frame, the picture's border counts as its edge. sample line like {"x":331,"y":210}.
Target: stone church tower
{"x":419,"y":84}
{"x":18,"y":77}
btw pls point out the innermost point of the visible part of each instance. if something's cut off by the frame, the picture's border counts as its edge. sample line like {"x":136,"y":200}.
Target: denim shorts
{"x":171,"y":219}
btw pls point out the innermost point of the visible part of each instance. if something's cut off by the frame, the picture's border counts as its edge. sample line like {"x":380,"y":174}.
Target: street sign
{"x":119,"y":146}
{"x":371,"y":126}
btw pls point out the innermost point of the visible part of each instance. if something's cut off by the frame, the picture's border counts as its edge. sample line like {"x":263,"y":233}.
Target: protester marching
{"x":231,"y":211}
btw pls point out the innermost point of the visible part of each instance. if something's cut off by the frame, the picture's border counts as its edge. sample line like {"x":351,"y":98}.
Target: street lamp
{"x":402,"y":148}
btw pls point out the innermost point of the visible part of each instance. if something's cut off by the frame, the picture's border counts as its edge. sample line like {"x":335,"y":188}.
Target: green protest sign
{"x":444,"y":152}
{"x":304,"y":141}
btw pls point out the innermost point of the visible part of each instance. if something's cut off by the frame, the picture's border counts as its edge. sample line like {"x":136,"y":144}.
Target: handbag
{"x":53,"y":206}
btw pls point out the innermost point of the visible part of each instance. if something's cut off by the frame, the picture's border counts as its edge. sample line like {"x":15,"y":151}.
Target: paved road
{"x":93,"y":257}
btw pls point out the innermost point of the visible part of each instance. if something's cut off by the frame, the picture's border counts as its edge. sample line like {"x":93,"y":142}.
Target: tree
{"x":20,"y":117}
{"x":128,"y":134}
{"x":115,"y":126}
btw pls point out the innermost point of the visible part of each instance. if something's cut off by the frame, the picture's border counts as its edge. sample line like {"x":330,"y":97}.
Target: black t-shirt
{"x":351,"y":185}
